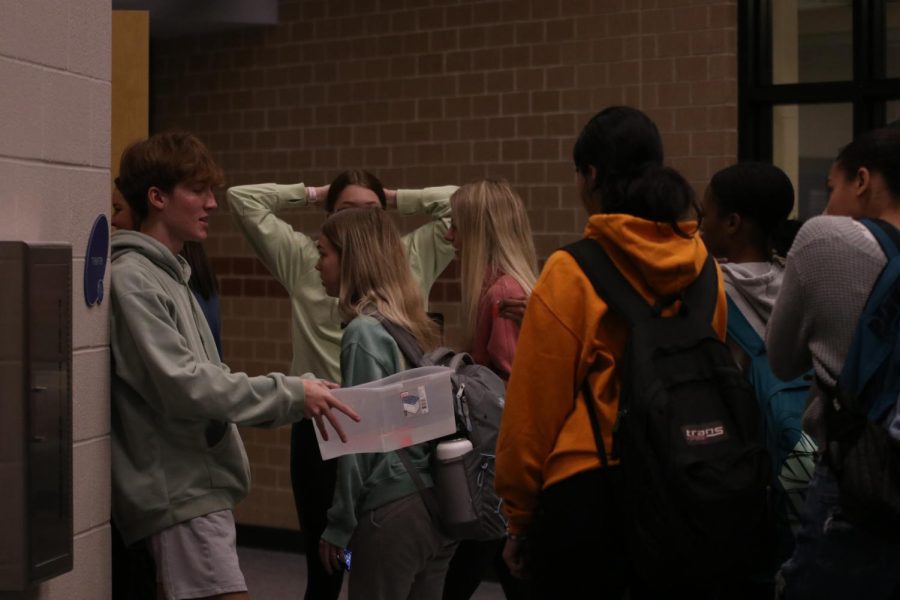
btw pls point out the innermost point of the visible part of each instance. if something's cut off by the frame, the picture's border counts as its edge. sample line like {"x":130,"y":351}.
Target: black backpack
{"x":688,"y":434}
{"x":479,"y":396}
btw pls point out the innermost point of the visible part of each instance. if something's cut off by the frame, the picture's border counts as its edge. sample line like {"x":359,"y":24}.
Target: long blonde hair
{"x":494,"y":233}
{"x":375,"y":273}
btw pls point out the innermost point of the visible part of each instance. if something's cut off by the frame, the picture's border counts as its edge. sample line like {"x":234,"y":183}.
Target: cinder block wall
{"x":54,"y":169}
{"x":424,"y":93}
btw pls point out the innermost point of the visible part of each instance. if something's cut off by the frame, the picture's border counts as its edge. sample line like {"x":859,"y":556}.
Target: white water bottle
{"x":454,"y":495}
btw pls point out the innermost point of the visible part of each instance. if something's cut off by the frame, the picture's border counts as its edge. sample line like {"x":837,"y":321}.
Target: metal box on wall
{"x":35,"y":412}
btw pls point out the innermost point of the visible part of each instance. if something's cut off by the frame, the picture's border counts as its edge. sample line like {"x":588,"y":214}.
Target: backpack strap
{"x":887,"y":235}
{"x":613,"y":288}
{"x":407,"y":343}
{"x":431,"y":504}
{"x":412,"y":352}
{"x":701,"y":295}
{"x":608,"y":281}
{"x":438,"y":356}
{"x":460,"y":359}
{"x":588,"y":394}
{"x":743,"y":334}
{"x":868,"y":353}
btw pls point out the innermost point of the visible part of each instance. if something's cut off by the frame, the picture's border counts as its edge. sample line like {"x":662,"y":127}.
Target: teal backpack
{"x":791,"y":450}
{"x":862,"y":426}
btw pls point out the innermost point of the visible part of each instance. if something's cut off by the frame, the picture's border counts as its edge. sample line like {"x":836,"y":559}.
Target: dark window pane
{"x":805,"y":139}
{"x":892,"y":113}
{"x":812,"y":40}
{"x":892,"y":51}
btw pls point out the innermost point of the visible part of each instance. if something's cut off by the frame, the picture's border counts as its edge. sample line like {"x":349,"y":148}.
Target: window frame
{"x":868,"y":91}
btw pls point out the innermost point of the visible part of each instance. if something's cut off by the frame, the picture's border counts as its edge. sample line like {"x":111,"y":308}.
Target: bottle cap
{"x":452,"y":449}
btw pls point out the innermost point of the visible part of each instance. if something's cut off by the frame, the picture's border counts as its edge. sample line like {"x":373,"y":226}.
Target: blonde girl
{"x":492,"y":236}
{"x":377,"y":512}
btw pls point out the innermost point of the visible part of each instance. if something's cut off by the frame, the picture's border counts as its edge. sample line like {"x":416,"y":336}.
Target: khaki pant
{"x":399,"y":553}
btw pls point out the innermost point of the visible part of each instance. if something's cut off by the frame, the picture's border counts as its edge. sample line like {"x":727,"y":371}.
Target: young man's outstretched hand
{"x":319,"y":403}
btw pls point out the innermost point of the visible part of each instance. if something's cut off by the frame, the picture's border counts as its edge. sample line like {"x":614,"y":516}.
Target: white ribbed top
{"x":829,"y":274}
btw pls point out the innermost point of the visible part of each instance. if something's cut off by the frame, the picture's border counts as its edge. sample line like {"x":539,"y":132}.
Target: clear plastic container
{"x":409,"y":407}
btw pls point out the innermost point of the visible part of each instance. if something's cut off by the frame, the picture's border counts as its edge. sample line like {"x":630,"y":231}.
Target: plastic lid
{"x":452,"y":449}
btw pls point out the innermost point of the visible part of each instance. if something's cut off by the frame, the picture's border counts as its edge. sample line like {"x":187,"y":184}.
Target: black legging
{"x":133,"y":569}
{"x":313,"y":482}
{"x":577,"y":546}
{"x":469,"y":564}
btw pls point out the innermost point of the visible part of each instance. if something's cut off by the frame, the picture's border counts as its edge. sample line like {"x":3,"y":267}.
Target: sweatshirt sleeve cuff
{"x":423,"y":201}
{"x":337,"y":537}
{"x":294,"y":194}
{"x":409,"y":201}
{"x":298,"y":392}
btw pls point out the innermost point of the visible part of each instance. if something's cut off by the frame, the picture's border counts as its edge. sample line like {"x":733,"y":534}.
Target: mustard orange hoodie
{"x":545,"y":435}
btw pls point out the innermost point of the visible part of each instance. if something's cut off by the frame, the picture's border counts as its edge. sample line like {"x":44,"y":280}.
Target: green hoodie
{"x":368,"y":481}
{"x":291,"y":256}
{"x":176,"y":453}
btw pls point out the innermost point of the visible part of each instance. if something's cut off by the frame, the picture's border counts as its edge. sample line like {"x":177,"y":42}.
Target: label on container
{"x":415,"y":404}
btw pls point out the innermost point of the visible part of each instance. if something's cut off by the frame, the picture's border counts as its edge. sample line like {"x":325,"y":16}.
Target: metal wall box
{"x":35,"y":412}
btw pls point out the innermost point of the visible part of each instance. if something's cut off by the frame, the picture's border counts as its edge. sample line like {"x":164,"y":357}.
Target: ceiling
{"x":170,"y":18}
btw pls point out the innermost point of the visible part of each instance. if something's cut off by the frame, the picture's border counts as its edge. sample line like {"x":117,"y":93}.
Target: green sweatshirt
{"x":291,"y":257}
{"x":366,"y":481}
{"x":176,"y":453}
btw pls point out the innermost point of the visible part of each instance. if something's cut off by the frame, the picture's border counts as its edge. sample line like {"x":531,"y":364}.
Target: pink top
{"x":494,"y":341}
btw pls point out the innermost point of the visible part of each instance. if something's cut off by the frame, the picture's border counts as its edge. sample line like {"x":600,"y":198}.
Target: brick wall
{"x":425,"y":93}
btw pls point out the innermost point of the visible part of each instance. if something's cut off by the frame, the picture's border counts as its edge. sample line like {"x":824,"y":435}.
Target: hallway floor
{"x":275,"y":575}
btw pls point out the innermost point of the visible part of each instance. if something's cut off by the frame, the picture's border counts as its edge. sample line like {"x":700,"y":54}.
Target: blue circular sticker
{"x":95,"y":261}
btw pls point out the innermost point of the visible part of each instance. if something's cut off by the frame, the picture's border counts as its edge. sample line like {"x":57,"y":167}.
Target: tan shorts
{"x":198,"y":558}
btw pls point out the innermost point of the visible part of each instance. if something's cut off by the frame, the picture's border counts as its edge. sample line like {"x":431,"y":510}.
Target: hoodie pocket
{"x":215,"y":433}
{"x":227,"y":462}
